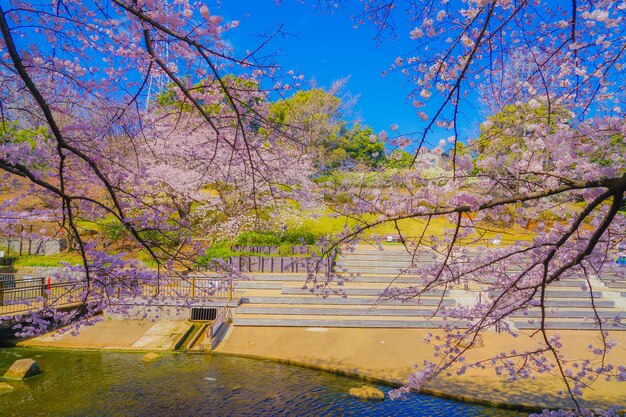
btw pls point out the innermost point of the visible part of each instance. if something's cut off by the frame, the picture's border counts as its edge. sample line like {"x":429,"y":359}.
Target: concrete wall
{"x":37,"y":271}
{"x":16,"y":246}
{"x":151,"y":313}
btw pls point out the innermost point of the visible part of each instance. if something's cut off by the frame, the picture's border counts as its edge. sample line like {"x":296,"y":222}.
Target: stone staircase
{"x":286,"y":300}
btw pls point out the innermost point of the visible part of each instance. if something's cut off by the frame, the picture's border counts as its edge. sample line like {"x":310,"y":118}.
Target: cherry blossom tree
{"x":76,"y":75}
{"x":566,"y":173}
{"x":81,"y":130}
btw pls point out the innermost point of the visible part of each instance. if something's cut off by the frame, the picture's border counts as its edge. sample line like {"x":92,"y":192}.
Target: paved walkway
{"x":390,"y":355}
{"x":271,"y":323}
{"x":386,"y":355}
{"x":117,"y":335}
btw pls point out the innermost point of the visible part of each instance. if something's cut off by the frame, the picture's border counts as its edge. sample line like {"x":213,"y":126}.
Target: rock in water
{"x":4,"y":388}
{"x":367,"y":392}
{"x":22,"y":369}
{"x":150,"y":357}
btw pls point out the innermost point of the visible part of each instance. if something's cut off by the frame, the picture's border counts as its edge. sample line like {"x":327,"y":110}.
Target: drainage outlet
{"x":203,"y":313}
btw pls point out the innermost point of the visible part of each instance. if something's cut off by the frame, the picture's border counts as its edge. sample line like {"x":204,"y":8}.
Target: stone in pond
{"x":22,"y":369}
{"x":367,"y":392}
{"x":150,"y":357}
{"x":4,"y":388}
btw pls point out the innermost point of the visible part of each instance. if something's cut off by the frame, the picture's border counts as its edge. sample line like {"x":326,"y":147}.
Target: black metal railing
{"x":195,"y":287}
{"x":25,"y":294}
{"x":21,"y":294}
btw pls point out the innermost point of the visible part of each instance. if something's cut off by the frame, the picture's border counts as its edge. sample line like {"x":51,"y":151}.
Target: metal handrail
{"x":27,"y":294}
{"x":223,"y":317}
{"x":37,"y":294}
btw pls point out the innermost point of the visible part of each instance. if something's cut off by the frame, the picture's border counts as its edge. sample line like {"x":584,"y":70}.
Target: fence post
{"x":21,"y":239}
{"x":30,"y":242}
{"x":230,"y":291}
{"x":1,"y":293}
{"x":192,"y":289}
{"x":43,"y":287}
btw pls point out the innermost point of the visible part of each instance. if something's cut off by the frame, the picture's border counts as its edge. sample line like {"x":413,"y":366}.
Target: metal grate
{"x":203,"y":313}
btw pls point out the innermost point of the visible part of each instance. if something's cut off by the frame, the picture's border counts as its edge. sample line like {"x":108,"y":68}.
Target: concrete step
{"x":340,"y":311}
{"x":389,"y":270}
{"x":363,"y":278}
{"x":277,"y":277}
{"x":336,"y":300}
{"x":327,"y":322}
{"x":383,"y":260}
{"x":568,"y":325}
{"x":580,"y":303}
{"x":260,"y":285}
{"x":374,"y":278}
{"x":572,"y":314}
{"x":383,"y":322}
{"x":555,"y":294}
{"x":353,"y":291}
{"x":374,"y":252}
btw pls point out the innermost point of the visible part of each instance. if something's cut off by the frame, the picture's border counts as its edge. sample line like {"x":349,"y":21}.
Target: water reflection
{"x":120,"y":384}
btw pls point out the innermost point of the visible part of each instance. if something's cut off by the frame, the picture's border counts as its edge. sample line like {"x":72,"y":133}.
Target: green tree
{"x":316,"y":120}
{"x":504,"y":132}
{"x":313,"y":118}
{"x":363,"y":146}
{"x":399,"y":159}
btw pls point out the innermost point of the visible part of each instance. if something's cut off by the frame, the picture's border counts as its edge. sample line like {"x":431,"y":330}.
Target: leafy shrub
{"x":113,"y":231}
{"x":257,"y":239}
{"x":284,"y":250}
{"x":299,"y":236}
{"x":73,"y":258}
{"x":219,"y":251}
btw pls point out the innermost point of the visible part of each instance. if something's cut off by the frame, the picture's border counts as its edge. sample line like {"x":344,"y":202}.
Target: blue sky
{"x":326,"y":47}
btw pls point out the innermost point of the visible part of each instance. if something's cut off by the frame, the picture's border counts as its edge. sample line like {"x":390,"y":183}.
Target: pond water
{"x":94,"y":383}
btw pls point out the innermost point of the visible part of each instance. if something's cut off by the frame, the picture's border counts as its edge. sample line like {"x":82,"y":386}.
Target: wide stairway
{"x":365,"y":299}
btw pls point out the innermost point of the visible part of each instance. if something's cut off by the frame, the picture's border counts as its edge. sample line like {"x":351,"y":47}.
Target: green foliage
{"x":285,"y":250}
{"x":73,"y":258}
{"x":113,"y":231}
{"x":509,"y":127}
{"x":11,"y":132}
{"x":310,"y":110}
{"x":363,"y":146}
{"x":600,"y":156}
{"x":223,"y":250}
{"x":290,"y":237}
{"x":172,"y":97}
{"x":162,"y":239}
{"x":399,"y":159}
{"x":258,"y":239}
{"x":314,"y":116}
{"x":216,"y":252}
{"x":299,"y":236}
{"x":460,"y":149}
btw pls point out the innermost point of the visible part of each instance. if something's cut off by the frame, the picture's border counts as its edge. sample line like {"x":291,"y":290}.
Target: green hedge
{"x":258,"y":239}
{"x":298,"y":237}
{"x":291,"y":238}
